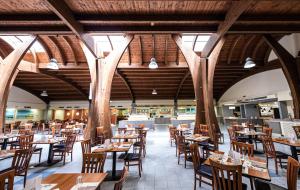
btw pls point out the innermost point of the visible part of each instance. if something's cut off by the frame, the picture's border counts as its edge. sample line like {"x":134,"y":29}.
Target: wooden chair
{"x":86,"y":146}
{"x":120,"y":183}
{"x":99,"y":139}
{"x":204,"y":130}
{"x":141,"y":142}
{"x":8,"y":175}
{"x":134,"y":159}
{"x":292,"y":175}
{"x":93,"y":162}
{"x":26,"y":143}
{"x":267,"y":131}
{"x":172,"y":133}
{"x":227,"y":177}
{"x":243,"y":148}
{"x":66,"y":149}
{"x":183,"y":148}
{"x":270,"y":152}
{"x":21,"y":162}
{"x":200,"y":171}
{"x":297,"y":132}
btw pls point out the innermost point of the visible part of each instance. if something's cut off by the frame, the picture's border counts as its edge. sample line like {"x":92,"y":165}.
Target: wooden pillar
{"x":102,"y":72}
{"x":194,"y":63}
{"x":8,"y":72}
{"x":175,"y":108}
{"x":290,"y":70}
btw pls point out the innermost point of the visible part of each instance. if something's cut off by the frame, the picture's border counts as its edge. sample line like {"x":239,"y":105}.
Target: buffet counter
{"x":283,"y":127}
{"x":228,"y":120}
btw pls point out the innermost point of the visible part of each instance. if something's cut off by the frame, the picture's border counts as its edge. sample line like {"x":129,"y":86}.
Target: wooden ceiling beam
{"x":129,"y":55}
{"x":166,"y":51}
{"x":232,"y":48}
{"x":46,"y":48}
{"x":187,"y":74}
{"x":127,"y":84}
{"x":62,"y":10}
{"x":141,"y":50}
{"x":58,"y":48}
{"x":69,"y":44}
{"x":245,"y":48}
{"x":235,"y":10}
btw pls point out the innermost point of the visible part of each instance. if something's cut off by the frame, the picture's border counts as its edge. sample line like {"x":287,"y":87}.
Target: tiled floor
{"x":160,"y":169}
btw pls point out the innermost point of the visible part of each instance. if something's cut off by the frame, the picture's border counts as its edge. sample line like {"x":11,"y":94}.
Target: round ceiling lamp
{"x":53,"y":64}
{"x":154,"y":92}
{"x":249,"y":63}
{"x":44,"y":93}
{"x":153,"y":64}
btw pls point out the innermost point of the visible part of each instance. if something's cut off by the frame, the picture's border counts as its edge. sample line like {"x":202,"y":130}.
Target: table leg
{"x":294,"y":152}
{"x":4,"y":144}
{"x":49,"y":160}
{"x":114,"y":165}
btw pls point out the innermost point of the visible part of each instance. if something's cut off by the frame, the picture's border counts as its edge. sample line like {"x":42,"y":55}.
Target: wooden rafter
{"x":232,"y":48}
{"x":141,"y":50}
{"x":69,"y":44}
{"x":166,"y":51}
{"x":186,"y":75}
{"x":129,"y":55}
{"x":236,"y":9}
{"x":194,"y":42}
{"x":177,"y":56}
{"x":153,"y":46}
{"x":245,"y":48}
{"x":46,"y":47}
{"x":62,"y":10}
{"x":126,"y":82}
{"x":109,"y":40}
{"x":58,"y":49}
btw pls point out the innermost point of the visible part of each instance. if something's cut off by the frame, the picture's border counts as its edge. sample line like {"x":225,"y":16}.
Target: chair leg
{"x":140,"y":170}
{"x":251,"y":183}
{"x":25,"y":179}
{"x":178,"y":158}
{"x":276,"y":166}
{"x":200,"y":179}
{"x":40,"y":155}
{"x":195,"y":181}
{"x":64,"y":155}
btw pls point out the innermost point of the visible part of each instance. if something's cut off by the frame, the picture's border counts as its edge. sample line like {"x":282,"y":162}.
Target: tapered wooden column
{"x":102,"y":72}
{"x":194,"y":63}
{"x":8,"y":72}
{"x":290,"y":70}
{"x":210,"y":114}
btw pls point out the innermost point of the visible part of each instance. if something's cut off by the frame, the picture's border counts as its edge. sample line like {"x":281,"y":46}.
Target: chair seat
{"x":203,"y":144}
{"x":132,"y":157}
{"x":59,"y":146}
{"x":282,"y":155}
{"x":259,"y":184}
{"x":205,"y":170}
{"x":137,"y":144}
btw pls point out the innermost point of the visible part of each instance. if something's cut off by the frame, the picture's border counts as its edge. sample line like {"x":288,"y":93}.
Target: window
{"x":199,"y":40}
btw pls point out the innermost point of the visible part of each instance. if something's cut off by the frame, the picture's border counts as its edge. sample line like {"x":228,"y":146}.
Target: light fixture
{"x":44,"y":93}
{"x":154,"y":92}
{"x":77,"y":113}
{"x":249,"y":63}
{"x":153,"y":64}
{"x":68,"y":113}
{"x":52,"y":64}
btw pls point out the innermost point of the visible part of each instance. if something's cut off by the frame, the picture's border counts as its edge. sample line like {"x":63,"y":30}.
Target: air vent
{"x":76,"y":107}
{"x":27,"y":107}
{"x":61,"y":107}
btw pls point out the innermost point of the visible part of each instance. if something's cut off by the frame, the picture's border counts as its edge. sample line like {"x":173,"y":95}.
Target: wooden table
{"x":65,"y":181}
{"x":250,"y":134}
{"x":5,"y":139}
{"x":197,"y":138}
{"x":264,"y":175}
{"x":4,"y":154}
{"x":293,"y":145}
{"x":116,"y":147}
{"x":126,"y":136}
{"x":50,"y":142}
{"x":182,"y":130}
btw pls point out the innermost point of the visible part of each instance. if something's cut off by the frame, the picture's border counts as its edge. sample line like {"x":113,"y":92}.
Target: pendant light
{"x":154,"y":92}
{"x":53,"y":64}
{"x":153,"y":64}
{"x":249,"y":63}
{"x":44,"y":93}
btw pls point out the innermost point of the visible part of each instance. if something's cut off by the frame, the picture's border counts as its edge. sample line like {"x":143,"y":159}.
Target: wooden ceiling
{"x":133,"y":79}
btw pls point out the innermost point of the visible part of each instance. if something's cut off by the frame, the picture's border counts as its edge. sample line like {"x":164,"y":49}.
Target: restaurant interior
{"x":149,"y":95}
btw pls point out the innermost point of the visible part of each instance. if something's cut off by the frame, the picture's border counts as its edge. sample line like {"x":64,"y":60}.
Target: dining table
{"x":258,"y":167}
{"x":250,"y":134}
{"x":68,"y":181}
{"x":50,"y":142}
{"x":5,"y":154}
{"x":292,"y":144}
{"x":197,"y":138}
{"x":113,"y":148}
{"x":5,"y":139}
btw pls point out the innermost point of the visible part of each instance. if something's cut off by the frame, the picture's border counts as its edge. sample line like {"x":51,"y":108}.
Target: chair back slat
{"x":267,"y":131}
{"x":180,"y":142}
{"x":120,"y":183}
{"x":93,"y":162}
{"x":269,"y":147}
{"x":7,"y":177}
{"x":292,"y":173}
{"x":297,"y":131}
{"x":226,"y":177}
{"x":26,"y":141}
{"x":243,"y":148}
{"x":86,"y":146}
{"x":21,"y":160}
{"x":194,"y":148}
{"x":70,"y":142}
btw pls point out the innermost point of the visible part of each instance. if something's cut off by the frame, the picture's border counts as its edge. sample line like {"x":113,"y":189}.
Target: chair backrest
{"x":93,"y":162}
{"x":204,"y":129}
{"x":21,"y":160}
{"x":267,"y":131}
{"x":292,"y":173}
{"x":297,"y":131}
{"x":26,"y":141}
{"x":226,"y":177}
{"x":172,"y":131}
{"x":269,"y":147}
{"x":231,"y":134}
{"x":184,"y":125}
{"x":243,"y":148}
{"x":86,"y":146}
{"x":70,"y":142}
{"x":195,"y":155}
{"x":9,"y":176}
{"x":120,"y":183}
{"x":237,"y":128}
{"x":120,"y":130}
{"x":180,"y":142}
{"x":141,"y":125}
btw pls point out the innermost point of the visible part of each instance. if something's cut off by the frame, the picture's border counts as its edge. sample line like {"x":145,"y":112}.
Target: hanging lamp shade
{"x":153,"y":64}
{"x":44,"y":93}
{"x":154,"y":92}
{"x":52,"y":64}
{"x":249,"y":63}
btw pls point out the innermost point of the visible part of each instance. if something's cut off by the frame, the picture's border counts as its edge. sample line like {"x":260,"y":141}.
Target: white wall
{"x":291,"y":43}
{"x":261,"y":84}
{"x":19,"y":98}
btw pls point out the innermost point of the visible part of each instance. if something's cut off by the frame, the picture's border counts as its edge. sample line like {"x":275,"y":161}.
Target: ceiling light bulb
{"x":52,"y":64}
{"x":249,"y":63}
{"x":44,"y":93}
{"x":154,"y":92}
{"x":153,"y":64}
